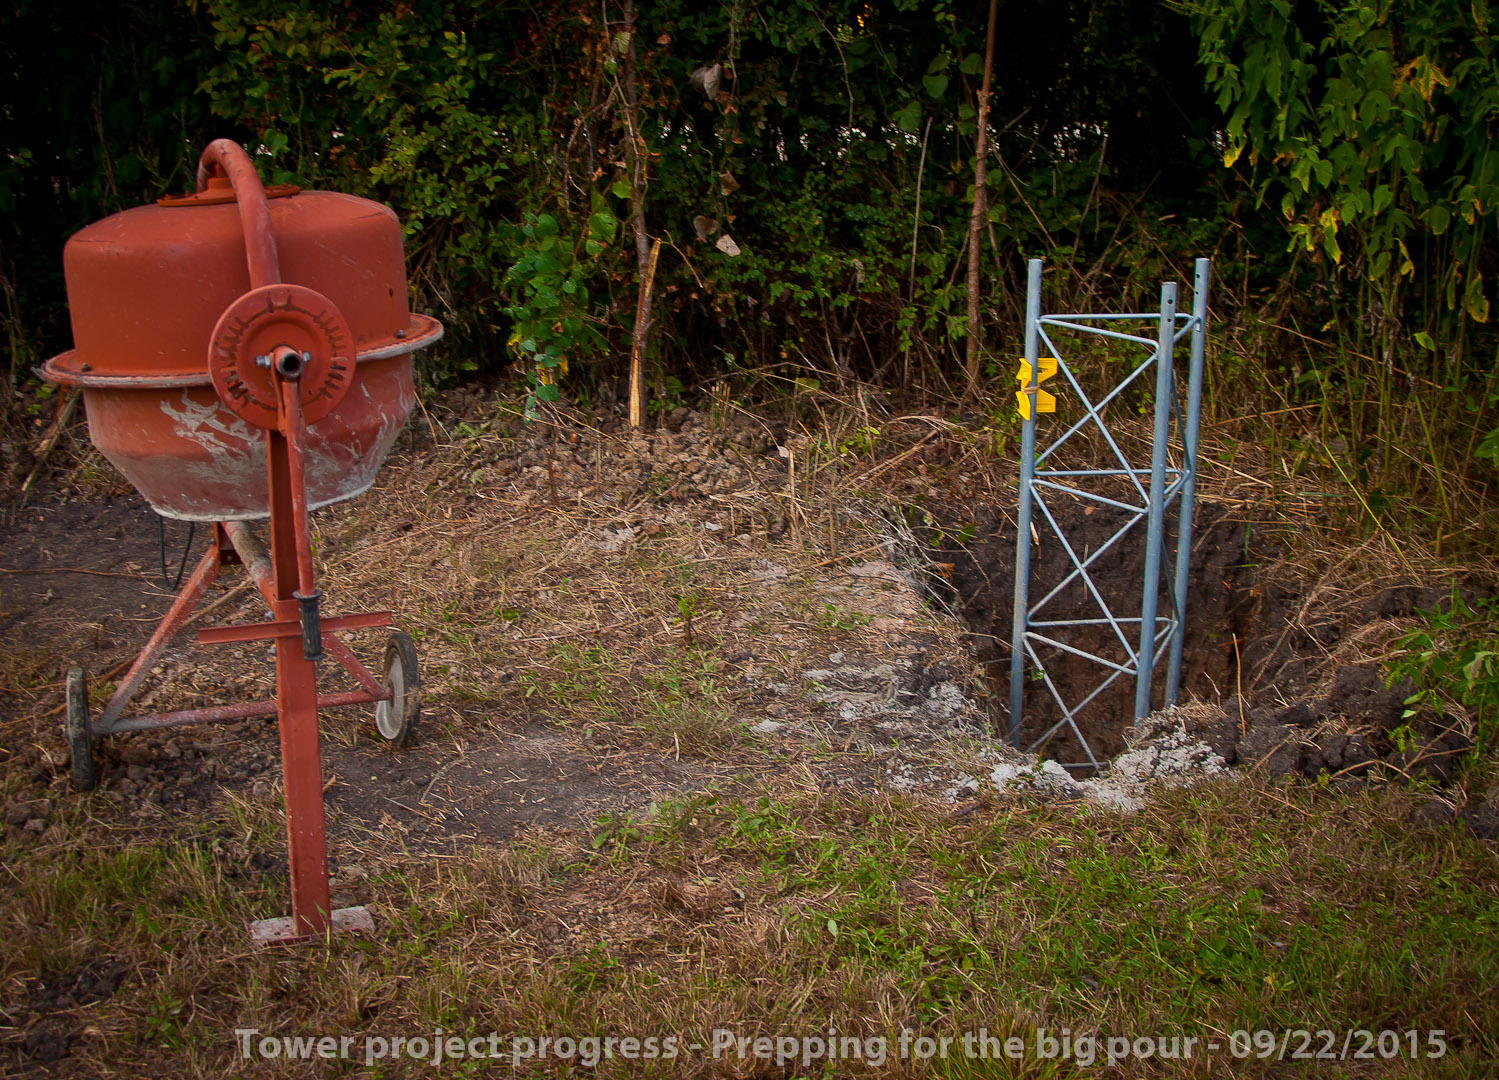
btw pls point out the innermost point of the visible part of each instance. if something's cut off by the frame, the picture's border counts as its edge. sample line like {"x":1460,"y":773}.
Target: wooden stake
{"x":642,"y":328}
{"x":645,"y":255}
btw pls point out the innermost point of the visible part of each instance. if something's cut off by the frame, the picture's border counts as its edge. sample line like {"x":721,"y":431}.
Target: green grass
{"x":1230,"y":907}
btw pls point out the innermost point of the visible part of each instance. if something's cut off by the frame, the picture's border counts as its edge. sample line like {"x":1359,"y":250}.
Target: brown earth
{"x":544,"y":573}
{"x":559,"y":576}
{"x":1291,"y":659}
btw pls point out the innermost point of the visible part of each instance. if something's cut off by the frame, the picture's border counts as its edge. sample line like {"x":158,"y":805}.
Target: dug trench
{"x":1285,"y":661}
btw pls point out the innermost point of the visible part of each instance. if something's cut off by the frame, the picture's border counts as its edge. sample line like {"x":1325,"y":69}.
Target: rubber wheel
{"x":75,"y":726}
{"x":396,"y":719}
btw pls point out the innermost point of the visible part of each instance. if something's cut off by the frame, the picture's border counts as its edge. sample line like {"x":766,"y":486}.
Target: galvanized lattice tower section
{"x":1138,"y":491}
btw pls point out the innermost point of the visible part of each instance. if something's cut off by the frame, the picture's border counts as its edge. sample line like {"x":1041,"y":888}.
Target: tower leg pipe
{"x":1023,"y":509}
{"x":1189,"y":481}
{"x":1155,"y":518}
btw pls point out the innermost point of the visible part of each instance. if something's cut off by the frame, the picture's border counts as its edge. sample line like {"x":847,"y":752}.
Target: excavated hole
{"x":1292,"y":666}
{"x":1221,"y":615}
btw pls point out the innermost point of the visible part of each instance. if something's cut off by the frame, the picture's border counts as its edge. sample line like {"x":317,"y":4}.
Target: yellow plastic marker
{"x":1044,"y":402}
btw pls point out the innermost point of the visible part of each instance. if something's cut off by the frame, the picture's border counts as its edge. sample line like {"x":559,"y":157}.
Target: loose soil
{"x":815,"y":607}
{"x":1287,"y":663}
{"x":512,"y":554}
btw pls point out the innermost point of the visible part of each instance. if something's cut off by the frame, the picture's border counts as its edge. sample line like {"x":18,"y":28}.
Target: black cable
{"x":161,"y":549}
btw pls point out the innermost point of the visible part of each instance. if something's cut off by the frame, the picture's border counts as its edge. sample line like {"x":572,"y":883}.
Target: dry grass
{"x":772,"y":886}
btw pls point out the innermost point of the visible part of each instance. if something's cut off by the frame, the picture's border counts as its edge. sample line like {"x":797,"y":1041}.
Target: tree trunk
{"x":980,"y":208}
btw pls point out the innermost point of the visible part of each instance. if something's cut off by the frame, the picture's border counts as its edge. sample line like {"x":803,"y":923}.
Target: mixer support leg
{"x":175,"y":618}
{"x":296,"y":699}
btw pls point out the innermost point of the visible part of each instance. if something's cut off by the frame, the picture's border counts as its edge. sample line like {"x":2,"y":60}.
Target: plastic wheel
{"x":396,"y":719}
{"x":80,"y":741}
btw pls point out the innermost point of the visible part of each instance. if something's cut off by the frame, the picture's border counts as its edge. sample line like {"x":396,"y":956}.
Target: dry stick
{"x":837,"y":558}
{"x":915,"y":240}
{"x":1077,"y":237}
{"x":123,"y":664}
{"x":980,"y":206}
{"x":1379,"y":525}
{"x":53,"y":436}
{"x":1010,"y":176}
{"x":646,"y":254}
{"x":637,"y":343}
{"x":866,"y":477}
{"x":1262,"y":415}
{"x":73,"y":570}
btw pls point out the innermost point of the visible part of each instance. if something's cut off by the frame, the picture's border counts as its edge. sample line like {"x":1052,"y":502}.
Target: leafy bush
{"x":1368,"y":123}
{"x":1455,"y":657}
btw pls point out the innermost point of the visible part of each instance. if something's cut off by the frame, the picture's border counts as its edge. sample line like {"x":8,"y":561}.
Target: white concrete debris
{"x":1163,"y":752}
{"x":879,"y":568}
{"x":962,"y":787}
{"x":885,"y":692}
{"x":766,"y":570}
{"x":946,"y":700}
{"x":904,"y":779}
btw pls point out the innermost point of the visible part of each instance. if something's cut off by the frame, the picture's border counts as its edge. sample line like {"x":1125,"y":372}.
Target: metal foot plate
{"x":283,"y":930}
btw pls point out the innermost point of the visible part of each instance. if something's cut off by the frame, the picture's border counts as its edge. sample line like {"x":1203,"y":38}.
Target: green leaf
{"x":1331,"y":246}
{"x":548,"y":392}
{"x":601,"y":224}
{"x":1474,"y":302}
{"x":1424,"y":340}
{"x":1439,"y":218}
{"x":621,"y":188}
{"x":908,"y":119}
{"x":936,"y":85}
{"x":972,"y":64}
{"x":1488,"y":448}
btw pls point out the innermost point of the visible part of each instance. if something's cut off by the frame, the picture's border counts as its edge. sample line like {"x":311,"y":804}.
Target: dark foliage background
{"x":1331,"y":157}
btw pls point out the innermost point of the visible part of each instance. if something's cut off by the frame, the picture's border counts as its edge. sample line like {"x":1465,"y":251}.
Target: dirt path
{"x":603,"y":620}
